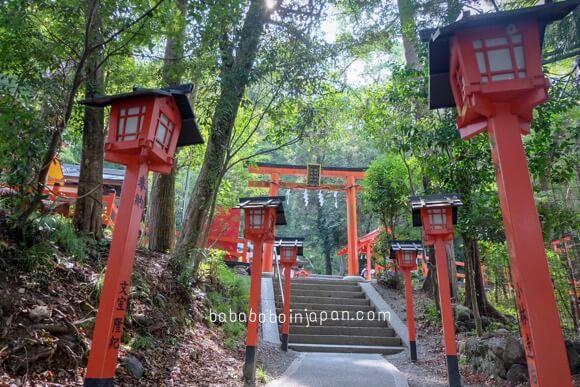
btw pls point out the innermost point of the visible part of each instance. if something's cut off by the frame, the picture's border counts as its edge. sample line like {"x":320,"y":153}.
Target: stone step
{"x":342,"y":330}
{"x":322,"y":293}
{"x":298,"y":307}
{"x":315,"y":316}
{"x":326,"y":276}
{"x":385,"y":350}
{"x":294,"y":299}
{"x":345,"y":340}
{"x":321,"y":281}
{"x":340,"y":323}
{"x":340,"y":286}
{"x":331,"y":282}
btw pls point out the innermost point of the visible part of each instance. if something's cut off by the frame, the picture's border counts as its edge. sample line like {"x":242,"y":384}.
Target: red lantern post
{"x":261,"y":214}
{"x":145,"y":127}
{"x":437,"y":214}
{"x":490,"y":67}
{"x":289,"y":249}
{"x":405,"y":252}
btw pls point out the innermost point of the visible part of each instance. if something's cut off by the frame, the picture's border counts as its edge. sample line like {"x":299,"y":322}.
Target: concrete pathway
{"x":315,"y":369}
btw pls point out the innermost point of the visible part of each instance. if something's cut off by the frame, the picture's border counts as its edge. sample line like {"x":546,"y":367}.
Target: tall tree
{"x":409,"y":32}
{"x":88,"y":206}
{"x":236,"y":64}
{"x":68,"y":63}
{"x":162,"y":202}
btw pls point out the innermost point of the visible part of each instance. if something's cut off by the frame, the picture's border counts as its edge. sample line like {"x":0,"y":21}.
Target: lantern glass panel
{"x":257,"y":218}
{"x":481,"y":62}
{"x":437,"y":218}
{"x":500,"y":58}
{"x":408,"y":257}
{"x":130,"y":123}
{"x":163,"y":132}
{"x":494,"y":42}
{"x":287,"y":252}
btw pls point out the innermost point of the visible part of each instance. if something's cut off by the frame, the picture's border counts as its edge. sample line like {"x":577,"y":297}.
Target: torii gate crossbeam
{"x":350,"y":175}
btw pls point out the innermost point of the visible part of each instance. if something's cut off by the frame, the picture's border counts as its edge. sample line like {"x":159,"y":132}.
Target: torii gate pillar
{"x":276,"y":171}
{"x":267,"y":261}
{"x":352,"y":231}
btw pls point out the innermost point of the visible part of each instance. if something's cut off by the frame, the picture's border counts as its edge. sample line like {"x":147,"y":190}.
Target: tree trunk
{"x":471,"y":293}
{"x":341,"y":265}
{"x":324,"y":236}
{"x":452,"y":270}
{"x":89,"y":205}
{"x":235,"y":74}
{"x":162,"y":204}
{"x":328,"y":262}
{"x":474,"y":281}
{"x":56,"y":138}
{"x":572,"y":282}
{"x":430,"y":283}
{"x":162,"y":213}
{"x":409,"y":32}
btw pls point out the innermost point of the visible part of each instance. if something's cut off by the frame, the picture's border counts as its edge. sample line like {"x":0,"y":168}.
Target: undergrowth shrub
{"x":60,"y":232}
{"x":431,"y":314}
{"x":228,"y":294}
{"x":43,"y":240}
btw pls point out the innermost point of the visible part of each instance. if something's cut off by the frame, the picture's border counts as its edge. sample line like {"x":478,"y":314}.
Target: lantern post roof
{"x":276,"y":202}
{"x":190,"y":133}
{"x":290,"y":242}
{"x":440,"y":95}
{"x":434,"y":201}
{"x":406,"y":246}
{"x":441,"y":200}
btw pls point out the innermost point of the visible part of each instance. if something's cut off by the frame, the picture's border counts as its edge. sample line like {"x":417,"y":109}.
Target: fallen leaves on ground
{"x":46,"y":320}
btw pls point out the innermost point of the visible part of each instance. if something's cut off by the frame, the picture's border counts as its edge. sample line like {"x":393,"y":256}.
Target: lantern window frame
{"x":273,"y":210}
{"x":440,"y":40}
{"x":289,"y":244}
{"x":494,"y":43}
{"x":438,"y":217}
{"x":257,"y":218}
{"x":419,"y":203}
{"x":168,"y":127}
{"x":408,"y":257}
{"x":402,"y":250}
{"x":123,"y":119}
{"x":287,"y":251}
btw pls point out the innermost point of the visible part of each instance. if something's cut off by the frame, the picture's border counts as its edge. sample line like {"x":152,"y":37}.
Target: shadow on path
{"x":340,"y":370}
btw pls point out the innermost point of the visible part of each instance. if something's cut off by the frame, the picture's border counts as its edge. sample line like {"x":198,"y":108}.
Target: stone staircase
{"x":348,"y":326}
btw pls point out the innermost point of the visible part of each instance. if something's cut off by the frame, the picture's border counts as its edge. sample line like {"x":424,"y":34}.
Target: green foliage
{"x":45,"y":240}
{"x":261,"y":375}
{"x":22,"y":139}
{"x":229,"y":292}
{"x":497,"y":269}
{"x":431,"y":314}
{"x":392,"y":280}
{"x":98,"y":289}
{"x":142,"y":286}
{"x":141,"y":342}
{"x":386,"y":190}
{"x":59,"y":231}
{"x":496,"y":260}
{"x":561,"y":283}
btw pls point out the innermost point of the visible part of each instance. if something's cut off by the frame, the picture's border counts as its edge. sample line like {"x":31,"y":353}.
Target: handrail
{"x":279,"y":275}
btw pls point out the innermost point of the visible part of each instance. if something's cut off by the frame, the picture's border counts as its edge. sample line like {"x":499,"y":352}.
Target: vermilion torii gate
{"x":350,"y":175}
